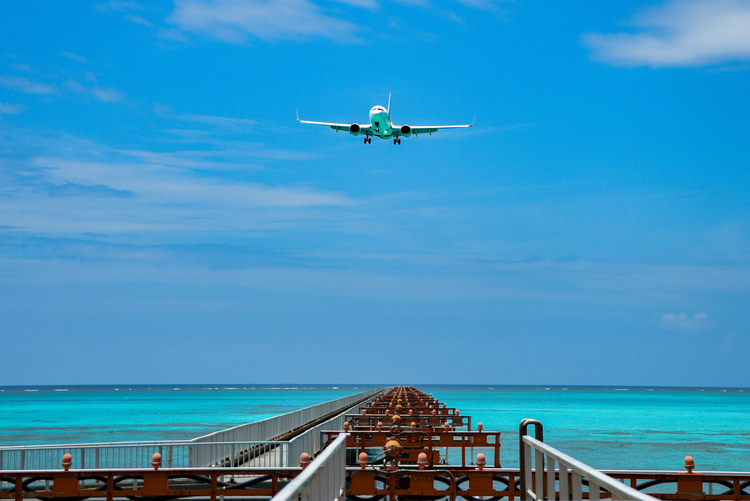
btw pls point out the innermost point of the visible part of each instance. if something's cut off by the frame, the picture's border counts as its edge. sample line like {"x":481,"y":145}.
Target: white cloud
{"x":481,"y":4}
{"x":119,"y":6}
{"x":139,"y":20}
{"x":158,"y":177}
{"x":127,"y":9}
{"x":8,"y":108}
{"x":110,"y":95}
{"x":680,"y":33}
{"x":151,"y":195}
{"x":366,"y":4}
{"x":418,"y":3}
{"x":65,"y":185}
{"x":26,"y":85}
{"x":683,"y":322}
{"x":24,"y":67}
{"x":74,"y":57}
{"x":224,"y":122}
{"x":235,"y":20}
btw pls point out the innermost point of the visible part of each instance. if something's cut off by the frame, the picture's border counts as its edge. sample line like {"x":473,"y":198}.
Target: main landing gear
{"x":368,"y":140}
{"x":397,"y":140}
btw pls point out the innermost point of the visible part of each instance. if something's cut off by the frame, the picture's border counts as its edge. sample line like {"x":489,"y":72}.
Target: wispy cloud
{"x":23,"y":67}
{"x":418,"y":3}
{"x":9,"y":109}
{"x":128,"y":10}
{"x":107,"y":95}
{"x":69,"y":186}
{"x":680,"y":33}
{"x":206,"y":127}
{"x":79,"y":190}
{"x":491,"y":5}
{"x":729,"y":69}
{"x":168,"y":181}
{"x":119,"y":6}
{"x":26,"y":85}
{"x":366,"y":4}
{"x":139,"y":20}
{"x":224,"y":122}
{"x":683,"y":322}
{"x":236,"y":21}
{"x":74,"y":57}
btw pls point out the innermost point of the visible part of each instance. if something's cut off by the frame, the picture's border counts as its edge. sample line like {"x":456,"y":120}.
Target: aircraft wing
{"x":429,"y":129}
{"x":339,"y":127}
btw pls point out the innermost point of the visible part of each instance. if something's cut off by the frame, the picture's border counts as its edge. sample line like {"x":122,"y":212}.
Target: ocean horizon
{"x":608,"y":427}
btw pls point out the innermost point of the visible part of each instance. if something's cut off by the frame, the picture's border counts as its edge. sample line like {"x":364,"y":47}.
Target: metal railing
{"x":323,"y":480}
{"x":138,"y":455}
{"x":534,"y":479}
{"x":274,"y":427}
{"x":247,"y":444}
{"x":311,"y":441}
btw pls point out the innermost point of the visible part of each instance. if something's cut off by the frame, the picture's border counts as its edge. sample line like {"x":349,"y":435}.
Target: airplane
{"x":381,"y":126}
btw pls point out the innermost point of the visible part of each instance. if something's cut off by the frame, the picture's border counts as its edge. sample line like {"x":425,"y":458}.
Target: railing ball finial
{"x":380,"y":426}
{"x":413,"y":426}
{"x":346,"y":425}
{"x":480,"y":427}
{"x":422,"y":460}
{"x":67,"y":462}
{"x":364,"y":411}
{"x":363,"y":460}
{"x":689,"y":464}
{"x":434,"y":412}
{"x":481,"y":461}
{"x":156,"y":460}
{"x":304,"y":460}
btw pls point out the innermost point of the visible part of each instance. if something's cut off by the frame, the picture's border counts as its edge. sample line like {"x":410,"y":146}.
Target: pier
{"x":395,"y":444}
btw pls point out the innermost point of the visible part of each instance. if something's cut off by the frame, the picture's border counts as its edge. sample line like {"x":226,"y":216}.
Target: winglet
{"x":389,"y":105}
{"x":472,"y":122}
{"x":298,"y":115}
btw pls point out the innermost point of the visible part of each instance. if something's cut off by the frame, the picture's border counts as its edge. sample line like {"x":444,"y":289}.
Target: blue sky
{"x":164,"y":218}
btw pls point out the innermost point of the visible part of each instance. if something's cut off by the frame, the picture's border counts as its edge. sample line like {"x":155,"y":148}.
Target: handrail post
{"x":595,"y":479}
{"x":523,"y":462}
{"x":330,"y":467}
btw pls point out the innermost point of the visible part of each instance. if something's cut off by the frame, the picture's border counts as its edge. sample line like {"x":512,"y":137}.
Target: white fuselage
{"x":380,"y":121}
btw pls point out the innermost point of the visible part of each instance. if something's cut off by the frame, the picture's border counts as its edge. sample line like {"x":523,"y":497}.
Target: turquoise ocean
{"x":608,"y":428}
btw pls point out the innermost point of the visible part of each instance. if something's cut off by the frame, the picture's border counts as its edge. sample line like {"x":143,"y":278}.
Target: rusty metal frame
{"x":362,"y":439}
{"x":145,"y":484}
{"x":468,"y":483}
{"x":687,"y":485}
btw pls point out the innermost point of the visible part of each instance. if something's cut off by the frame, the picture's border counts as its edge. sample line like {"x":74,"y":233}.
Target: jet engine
{"x":405,"y":130}
{"x":354,"y":129}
